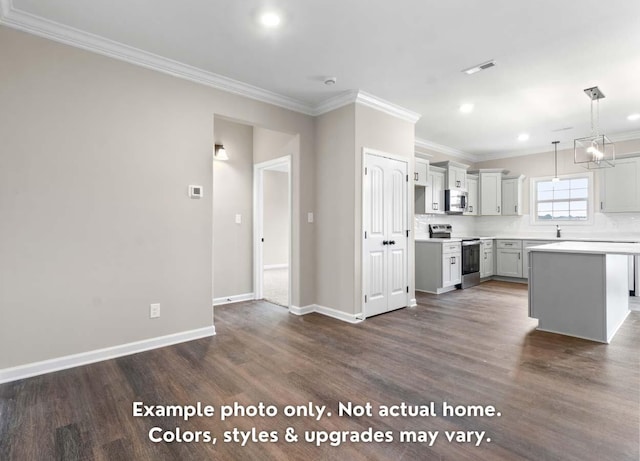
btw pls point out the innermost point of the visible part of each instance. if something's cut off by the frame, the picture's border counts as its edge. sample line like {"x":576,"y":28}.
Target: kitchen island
{"x":580,"y":288}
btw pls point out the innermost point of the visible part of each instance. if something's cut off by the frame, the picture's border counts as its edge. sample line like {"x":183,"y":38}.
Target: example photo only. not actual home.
{"x":286,"y":230}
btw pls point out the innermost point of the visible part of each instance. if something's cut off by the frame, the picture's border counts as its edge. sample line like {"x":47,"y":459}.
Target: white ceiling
{"x":408,"y":52}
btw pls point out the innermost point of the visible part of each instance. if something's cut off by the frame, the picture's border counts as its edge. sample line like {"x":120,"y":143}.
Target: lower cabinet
{"x":486,"y":258}
{"x":438,"y":266}
{"x":451,"y":270}
{"x":509,"y":258}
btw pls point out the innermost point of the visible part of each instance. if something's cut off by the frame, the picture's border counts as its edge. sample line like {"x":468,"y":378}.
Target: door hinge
{"x":365,"y":234}
{"x":407,"y":288}
{"x":365,"y":298}
{"x":408,"y":178}
{"x":365,"y":170}
{"x":407,"y":233}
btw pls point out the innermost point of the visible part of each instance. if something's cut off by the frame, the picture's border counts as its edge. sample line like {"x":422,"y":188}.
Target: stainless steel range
{"x":470,"y":253}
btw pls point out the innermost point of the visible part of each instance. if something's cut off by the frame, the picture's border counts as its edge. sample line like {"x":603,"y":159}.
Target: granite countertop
{"x":590,"y":248}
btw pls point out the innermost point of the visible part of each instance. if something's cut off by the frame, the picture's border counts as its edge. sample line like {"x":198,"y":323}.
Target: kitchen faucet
{"x":558,"y":231}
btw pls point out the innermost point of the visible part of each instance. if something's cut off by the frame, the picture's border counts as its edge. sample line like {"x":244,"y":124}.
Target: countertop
{"x":625,"y":239}
{"x":590,"y":247}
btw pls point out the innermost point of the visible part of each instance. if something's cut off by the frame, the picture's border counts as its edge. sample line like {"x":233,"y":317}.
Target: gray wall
{"x":96,"y":158}
{"x":276,"y":218}
{"x":335,"y":171}
{"x":233,"y":194}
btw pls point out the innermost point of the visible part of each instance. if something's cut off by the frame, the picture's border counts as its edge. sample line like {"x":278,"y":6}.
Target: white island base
{"x":580,"y":289}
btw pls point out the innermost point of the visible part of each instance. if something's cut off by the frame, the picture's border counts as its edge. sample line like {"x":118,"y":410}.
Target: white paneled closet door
{"x":386,"y":241}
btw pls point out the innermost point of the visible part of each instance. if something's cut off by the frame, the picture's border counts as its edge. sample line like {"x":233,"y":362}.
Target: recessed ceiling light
{"x":523,"y":137}
{"x":633,"y":117}
{"x":466,"y":108}
{"x":270,"y":19}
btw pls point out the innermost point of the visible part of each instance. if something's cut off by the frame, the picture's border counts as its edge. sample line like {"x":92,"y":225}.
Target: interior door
{"x":386,"y":242}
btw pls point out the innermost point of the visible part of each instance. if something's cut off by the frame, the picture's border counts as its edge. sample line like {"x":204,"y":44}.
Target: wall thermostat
{"x":195,"y":191}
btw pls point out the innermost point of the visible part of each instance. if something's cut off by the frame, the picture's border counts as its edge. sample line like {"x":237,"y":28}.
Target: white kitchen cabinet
{"x":490,"y":191}
{"x":509,"y":258}
{"x":512,"y":196}
{"x":421,"y":171}
{"x":455,"y":175}
{"x":438,"y":265}
{"x":486,"y":258}
{"x":434,"y":193}
{"x":451,"y":269}
{"x":620,"y":188}
{"x":472,"y":197}
{"x":526,"y":244}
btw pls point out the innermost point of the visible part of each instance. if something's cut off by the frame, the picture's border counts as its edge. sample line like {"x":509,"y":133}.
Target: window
{"x":568,"y":200}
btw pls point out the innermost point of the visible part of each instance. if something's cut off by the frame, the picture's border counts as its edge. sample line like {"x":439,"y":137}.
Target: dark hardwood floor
{"x":560,"y":398}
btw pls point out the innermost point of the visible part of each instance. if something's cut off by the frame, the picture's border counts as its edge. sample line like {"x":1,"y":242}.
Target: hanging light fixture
{"x":555,"y":157}
{"x":595,"y":151}
{"x":220,"y":153}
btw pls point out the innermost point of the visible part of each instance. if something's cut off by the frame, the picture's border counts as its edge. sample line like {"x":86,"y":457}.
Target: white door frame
{"x":367,"y":151}
{"x":258,"y":224}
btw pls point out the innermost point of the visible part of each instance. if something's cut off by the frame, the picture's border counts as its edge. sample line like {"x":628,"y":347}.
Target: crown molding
{"x":387,"y":107}
{"x":55,"y":31}
{"x":567,"y":145}
{"x":368,"y":100}
{"x":426,"y":144}
{"x":36,"y":25}
{"x":336,"y":102}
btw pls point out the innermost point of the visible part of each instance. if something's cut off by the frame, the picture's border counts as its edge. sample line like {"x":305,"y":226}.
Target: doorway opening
{"x":272,"y":231}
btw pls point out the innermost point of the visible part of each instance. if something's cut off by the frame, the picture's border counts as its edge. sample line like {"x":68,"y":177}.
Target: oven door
{"x":470,"y":257}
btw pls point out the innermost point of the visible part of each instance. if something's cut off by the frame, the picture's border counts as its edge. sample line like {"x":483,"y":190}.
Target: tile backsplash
{"x":620,"y":225}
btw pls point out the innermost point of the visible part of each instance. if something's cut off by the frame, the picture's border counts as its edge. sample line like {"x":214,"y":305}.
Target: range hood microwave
{"x":455,"y":201}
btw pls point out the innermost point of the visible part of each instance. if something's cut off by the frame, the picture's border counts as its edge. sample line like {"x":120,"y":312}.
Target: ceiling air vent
{"x":479,"y":67}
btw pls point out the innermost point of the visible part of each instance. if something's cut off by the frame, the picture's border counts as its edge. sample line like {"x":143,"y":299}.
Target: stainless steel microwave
{"x":455,"y":201}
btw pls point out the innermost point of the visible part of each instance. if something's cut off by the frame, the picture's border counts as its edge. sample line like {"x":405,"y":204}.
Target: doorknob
{"x":392,"y":242}
{"x":385,"y":242}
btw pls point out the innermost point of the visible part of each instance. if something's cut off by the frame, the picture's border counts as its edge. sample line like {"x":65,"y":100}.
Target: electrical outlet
{"x":154,"y":311}
{"x":238,"y":219}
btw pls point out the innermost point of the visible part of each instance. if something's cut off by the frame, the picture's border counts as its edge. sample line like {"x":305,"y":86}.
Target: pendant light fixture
{"x":595,"y":151}
{"x":555,"y":158}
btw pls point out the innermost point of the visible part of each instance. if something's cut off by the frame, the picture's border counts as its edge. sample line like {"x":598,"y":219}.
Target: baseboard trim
{"x":413,"y":302}
{"x":233,"y":299}
{"x":70,"y":361}
{"x":275,"y":266}
{"x":328,"y":311}
{"x":295,"y":310}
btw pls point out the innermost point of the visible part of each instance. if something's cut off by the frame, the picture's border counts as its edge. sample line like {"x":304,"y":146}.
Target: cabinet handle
{"x":516,"y":208}
{"x":453,"y":260}
{"x":435,"y":206}
{"x":601,"y":205}
{"x":498,"y":209}
{"x":518,"y":255}
{"x":457,"y":183}
{"x":415,"y":176}
{"x":508,"y":244}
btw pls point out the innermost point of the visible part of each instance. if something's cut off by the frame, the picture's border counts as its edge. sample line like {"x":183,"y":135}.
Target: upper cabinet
{"x":472,"y":198}
{"x":512,"y":195}
{"x":455,"y":175}
{"x":434,"y":192}
{"x":421,"y":171}
{"x":620,"y":188}
{"x":490,"y":191}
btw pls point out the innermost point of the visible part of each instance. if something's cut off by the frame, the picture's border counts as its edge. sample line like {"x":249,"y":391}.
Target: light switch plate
{"x":310,"y":217}
{"x":238,"y":219}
